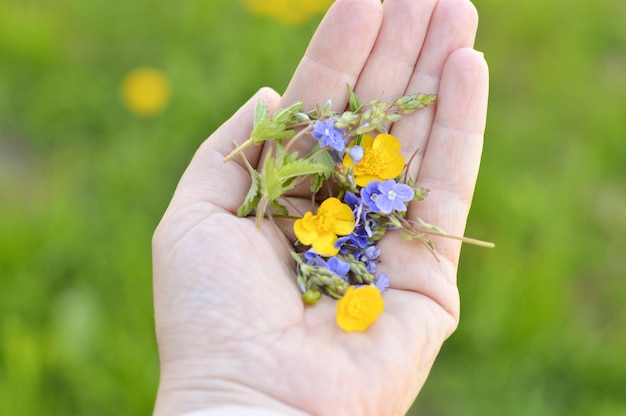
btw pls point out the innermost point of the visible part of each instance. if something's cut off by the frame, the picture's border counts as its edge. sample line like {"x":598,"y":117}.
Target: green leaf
{"x":268,"y":130}
{"x":275,"y":127}
{"x":323,"y":158}
{"x":355,"y":104}
{"x":279,"y":208}
{"x":253,"y":197}
{"x":317,"y":181}
{"x":301,"y":167}
{"x":288,"y":115}
{"x":271,"y":181}
{"x":261,"y":111}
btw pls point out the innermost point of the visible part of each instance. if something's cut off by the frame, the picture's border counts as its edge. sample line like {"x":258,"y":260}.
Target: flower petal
{"x":386,"y":143}
{"x":303,"y":230}
{"x":324,"y":244}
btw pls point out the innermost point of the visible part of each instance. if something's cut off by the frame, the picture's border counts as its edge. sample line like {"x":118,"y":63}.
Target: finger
{"x":208,"y":179}
{"x":400,"y":40}
{"x":336,"y":54}
{"x":453,"y":25}
{"x":451,"y":161}
{"x":449,"y":170}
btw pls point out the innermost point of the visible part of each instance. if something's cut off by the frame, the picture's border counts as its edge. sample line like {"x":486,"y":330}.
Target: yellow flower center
{"x":371,"y":163}
{"x":323,"y":222}
{"x":355,"y":308}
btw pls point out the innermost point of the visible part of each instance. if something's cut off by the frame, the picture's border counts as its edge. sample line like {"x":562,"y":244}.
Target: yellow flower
{"x":288,"y":11}
{"x":333,"y":218}
{"x":381,"y":159}
{"x":359,"y":308}
{"x":145,"y":91}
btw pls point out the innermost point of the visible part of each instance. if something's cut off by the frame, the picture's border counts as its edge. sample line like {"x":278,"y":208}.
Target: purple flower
{"x":381,"y":281}
{"x":358,"y":239}
{"x":328,"y":135}
{"x":372,"y":253}
{"x":334,"y":264}
{"x":387,"y":196}
{"x":368,"y":257}
{"x":356,"y":204}
{"x":369,"y":195}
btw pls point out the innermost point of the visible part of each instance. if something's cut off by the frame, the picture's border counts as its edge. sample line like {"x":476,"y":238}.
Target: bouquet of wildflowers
{"x":356,"y":172}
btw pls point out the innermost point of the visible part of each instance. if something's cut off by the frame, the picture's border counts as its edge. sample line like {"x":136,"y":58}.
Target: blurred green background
{"x":84,"y":181}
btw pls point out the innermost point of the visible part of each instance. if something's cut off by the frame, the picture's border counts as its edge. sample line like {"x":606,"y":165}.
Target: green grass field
{"x":83,"y":183}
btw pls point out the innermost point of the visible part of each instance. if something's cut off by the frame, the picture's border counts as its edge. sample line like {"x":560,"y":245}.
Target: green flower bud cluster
{"x":344,"y":177}
{"x":410,"y":103}
{"x":358,"y":269}
{"x":378,"y":113}
{"x":318,"y":279}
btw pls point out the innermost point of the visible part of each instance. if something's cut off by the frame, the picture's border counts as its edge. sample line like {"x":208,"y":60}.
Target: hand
{"x":232,"y":329}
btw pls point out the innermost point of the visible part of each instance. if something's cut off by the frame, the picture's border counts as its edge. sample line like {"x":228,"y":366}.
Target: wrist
{"x":212,"y":396}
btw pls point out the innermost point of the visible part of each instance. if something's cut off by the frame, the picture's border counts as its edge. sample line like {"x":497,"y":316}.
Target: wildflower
{"x":356,"y":204}
{"x":334,"y":264}
{"x":359,"y":308}
{"x":288,"y":11}
{"x":145,"y":91}
{"x":368,"y":257}
{"x":381,"y":281}
{"x":328,"y":135}
{"x":357,"y":239}
{"x":387,"y":196}
{"x":381,"y":159}
{"x":333,"y":219}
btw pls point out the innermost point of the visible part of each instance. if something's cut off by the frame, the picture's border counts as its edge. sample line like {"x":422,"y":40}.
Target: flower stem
{"x":238,"y":150}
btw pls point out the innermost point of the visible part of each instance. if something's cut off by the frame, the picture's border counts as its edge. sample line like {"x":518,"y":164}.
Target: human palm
{"x":231,"y":325}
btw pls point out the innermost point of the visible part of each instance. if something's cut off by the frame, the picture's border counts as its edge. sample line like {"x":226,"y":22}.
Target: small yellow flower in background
{"x":145,"y":91}
{"x":359,"y":308}
{"x":291,"y":12}
{"x":333,"y":218}
{"x":381,"y":159}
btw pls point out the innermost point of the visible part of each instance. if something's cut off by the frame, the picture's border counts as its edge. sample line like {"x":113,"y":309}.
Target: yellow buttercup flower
{"x":288,"y":11}
{"x":359,"y":308}
{"x":333,"y":218}
{"x":381,"y":159}
{"x":145,"y":91}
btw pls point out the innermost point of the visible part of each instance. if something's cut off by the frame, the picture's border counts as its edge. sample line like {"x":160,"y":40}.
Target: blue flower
{"x":334,"y":264}
{"x":387,"y":196}
{"x":356,"y":204}
{"x":328,"y":135}
{"x":381,"y":281}
{"x":368,"y":258}
{"x":359,"y":239}
{"x":369,"y":195}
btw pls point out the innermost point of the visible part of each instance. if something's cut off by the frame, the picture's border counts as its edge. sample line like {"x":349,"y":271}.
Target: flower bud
{"x":310,"y":297}
{"x":356,"y":154}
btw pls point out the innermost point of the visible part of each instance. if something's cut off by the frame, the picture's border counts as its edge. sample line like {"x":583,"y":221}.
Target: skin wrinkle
{"x":243,"y":394}
{"x":438,"y":295}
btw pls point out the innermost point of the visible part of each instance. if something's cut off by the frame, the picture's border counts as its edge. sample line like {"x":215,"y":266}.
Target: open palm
{"x":232,"y":329}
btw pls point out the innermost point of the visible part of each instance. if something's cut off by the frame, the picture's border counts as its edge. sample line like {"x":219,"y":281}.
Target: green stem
{"x":238,"y":150}
{"x":260,"y":211}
